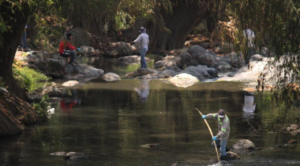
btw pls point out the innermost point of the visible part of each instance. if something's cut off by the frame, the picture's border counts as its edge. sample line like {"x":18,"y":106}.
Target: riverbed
{"x":111,"y":121}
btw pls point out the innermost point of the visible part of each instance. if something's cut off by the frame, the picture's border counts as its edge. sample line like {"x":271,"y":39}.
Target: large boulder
{"x":183,"y":80}
{"x":243,"y":144}
{"x":109,"y":77}
{"x":116,"y":49}
{"x":168,"y":61}
{"x":201,"y":72}
{"x":88,"y":71}
{"x":200,"y":55}
{"x":15,"y":113}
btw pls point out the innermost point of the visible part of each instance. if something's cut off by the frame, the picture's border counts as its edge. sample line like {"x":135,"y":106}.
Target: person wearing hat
{"x":223,"y":130}
{"x":66,"y":49}
{"x":142,"y":41}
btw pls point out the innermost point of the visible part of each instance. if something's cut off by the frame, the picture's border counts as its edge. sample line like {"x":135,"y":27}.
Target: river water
{"x":111,"y":122}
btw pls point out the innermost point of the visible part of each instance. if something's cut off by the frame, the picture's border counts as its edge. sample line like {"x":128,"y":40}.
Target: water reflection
{"x":249,"y":106}
{"x":69,"y":100}
{"x":143,"y":90}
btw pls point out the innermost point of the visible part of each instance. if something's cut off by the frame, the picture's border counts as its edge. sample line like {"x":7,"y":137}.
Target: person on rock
{"x":250,"y":36}
{"x":223,"y":131}
{"x":67,"y":50}
{"x":142,"y":42}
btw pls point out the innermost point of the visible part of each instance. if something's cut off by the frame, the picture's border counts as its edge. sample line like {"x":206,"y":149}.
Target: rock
{"x":201,"y":55}
{"x":88,"y":71}
{"x":200,"y":71}
{"x":140,"y":72}
{"x":15,"y":113}
{"x":109,"y":77}
{"x":167,"y":74}
{"x":35,"y":97}
{"x":244,"y":144}
{"x":131,"y":59}
{"x":212,"y":72}
{"x":119,"y":49}
{"x":58,"y":67}
{"x":232,"y":156}
{"x":223,"y":66}
{"x":183,"y":80}
{"x":168,"y":61}
{"x":70,"y":83}
{"x":51,"y":91}
{"x":294,"y":127}
{"x":86,"y":50}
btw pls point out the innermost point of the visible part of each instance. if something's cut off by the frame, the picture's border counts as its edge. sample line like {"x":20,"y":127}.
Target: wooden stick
{"x":210,"y":134}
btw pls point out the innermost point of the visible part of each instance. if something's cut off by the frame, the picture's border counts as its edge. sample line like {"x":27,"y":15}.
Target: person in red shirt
{"x":66,"y":49}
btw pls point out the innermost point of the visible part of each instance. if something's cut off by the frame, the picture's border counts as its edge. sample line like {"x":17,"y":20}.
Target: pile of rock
{"x":293,"y":129}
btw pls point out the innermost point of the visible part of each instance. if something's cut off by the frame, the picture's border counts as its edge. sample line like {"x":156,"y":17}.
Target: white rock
{"x":183,"y":80}
{"x":70,"y":83}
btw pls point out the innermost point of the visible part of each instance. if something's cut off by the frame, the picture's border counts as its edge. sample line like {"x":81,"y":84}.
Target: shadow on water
{"x":111,"y":122}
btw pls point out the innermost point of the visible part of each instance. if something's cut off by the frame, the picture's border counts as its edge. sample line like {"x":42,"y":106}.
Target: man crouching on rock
{"x":223,"y":131}
{"x":66,"y":49}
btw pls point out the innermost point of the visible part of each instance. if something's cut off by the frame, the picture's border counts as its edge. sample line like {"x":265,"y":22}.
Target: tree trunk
{"x":15,"y":18}
{"x":184,"y":18}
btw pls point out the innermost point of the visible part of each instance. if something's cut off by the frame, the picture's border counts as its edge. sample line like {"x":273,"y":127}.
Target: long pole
{"x":210,"y":134}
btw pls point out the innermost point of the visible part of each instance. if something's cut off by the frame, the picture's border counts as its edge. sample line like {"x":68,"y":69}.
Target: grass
{"x":28,"y":78}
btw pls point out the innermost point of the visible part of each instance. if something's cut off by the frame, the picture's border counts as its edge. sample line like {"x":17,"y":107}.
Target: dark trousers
{"x":251,"y":51}
{"x":23,"y":43}
{"x":69,"y":53}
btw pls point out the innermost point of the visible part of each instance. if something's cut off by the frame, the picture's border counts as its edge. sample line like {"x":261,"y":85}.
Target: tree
{"x":13,"y":18}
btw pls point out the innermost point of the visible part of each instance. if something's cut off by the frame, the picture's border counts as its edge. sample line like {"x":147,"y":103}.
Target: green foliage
{"x":28,"y":78}
{"x":275,"y":22}
{"x":41,"y":107}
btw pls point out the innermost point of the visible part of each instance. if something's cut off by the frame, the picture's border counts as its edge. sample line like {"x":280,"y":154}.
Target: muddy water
{"x":111,"y":122}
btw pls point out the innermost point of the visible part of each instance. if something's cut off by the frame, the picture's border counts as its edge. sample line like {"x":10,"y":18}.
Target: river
{"x":111,"y":122}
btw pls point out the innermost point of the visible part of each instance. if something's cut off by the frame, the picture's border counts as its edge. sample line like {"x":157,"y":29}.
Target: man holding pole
{"x":223,"y":130}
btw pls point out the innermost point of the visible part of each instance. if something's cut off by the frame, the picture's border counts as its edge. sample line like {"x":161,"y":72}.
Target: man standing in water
{"x":223,"y":130}
{"x":142,"y":41}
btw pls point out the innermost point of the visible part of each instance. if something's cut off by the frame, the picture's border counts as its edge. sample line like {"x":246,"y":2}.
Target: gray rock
{"x":51,"y":91}
{"x":256,"y":57}
{"x":86,"y":50}
{"x":168,"y":61}
{"x":201,"y":72}
{"x":111,"y":77}
{"x":167,"y":74}
{"x":119,"y":49}
{"x":244,"y":144}
{"x":223,"y":66}
{"x":131,"y":59}
{"x":88,"y":71}
{"x":142,"y":72}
